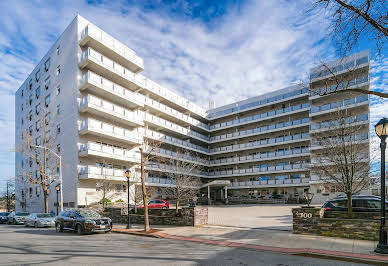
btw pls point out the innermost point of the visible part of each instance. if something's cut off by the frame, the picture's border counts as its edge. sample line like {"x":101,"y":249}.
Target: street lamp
{"x":128,"y":175}
{"x":381,"y":129}
{"x":57,"y":188}
{"x":60,"y":170}
{"x":309,"y":197}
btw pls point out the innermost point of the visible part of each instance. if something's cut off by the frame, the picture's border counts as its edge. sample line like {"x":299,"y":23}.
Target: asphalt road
{"x":20,"y":246}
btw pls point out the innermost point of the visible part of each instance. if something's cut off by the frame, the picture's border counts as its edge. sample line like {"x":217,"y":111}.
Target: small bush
{"x":107,"y":201}
{"x":119,"y":201}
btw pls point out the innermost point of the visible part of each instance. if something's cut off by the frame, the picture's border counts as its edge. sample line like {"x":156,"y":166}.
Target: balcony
{"x":106,"y":89}
{"x":335,"y":124}
{"x":177,"y":156}
{"x":109,"y":152}
{"x":262,"y":170}
{"x":108,"y":131}
{"x":340,"y":105}
{"x":102,"y":173}
{"x":111,"y":111}
{"x":164,"y":168}
{"x":159,"y":182}
{"x":262,"y":130}
{"x":94,"y":37}
{"x":270,"y":183}
{"x":262,"y":117}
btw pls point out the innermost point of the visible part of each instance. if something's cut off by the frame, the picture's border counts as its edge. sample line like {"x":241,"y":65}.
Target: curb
{"x":135,"y":232}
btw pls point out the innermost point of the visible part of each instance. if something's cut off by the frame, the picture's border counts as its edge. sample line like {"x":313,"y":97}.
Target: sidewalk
{"x":270,"y":240}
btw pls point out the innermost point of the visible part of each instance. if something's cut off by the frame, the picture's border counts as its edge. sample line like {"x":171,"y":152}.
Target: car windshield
{"x":89,"y":214}
{"x":3,"y":213}
{"x":44,"y":215}
{"x":22,"y":214}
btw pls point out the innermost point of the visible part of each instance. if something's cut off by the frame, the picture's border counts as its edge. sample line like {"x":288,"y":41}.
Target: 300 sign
{"x":305,"y":215}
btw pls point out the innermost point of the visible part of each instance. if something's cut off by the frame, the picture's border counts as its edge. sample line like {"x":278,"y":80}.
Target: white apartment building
{"x":99,"y":108}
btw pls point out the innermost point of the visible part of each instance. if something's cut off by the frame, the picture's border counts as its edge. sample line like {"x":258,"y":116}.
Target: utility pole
{"x":8,"y":207}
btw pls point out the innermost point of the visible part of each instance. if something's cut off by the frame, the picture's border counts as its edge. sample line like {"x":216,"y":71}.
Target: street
{"x":21,"y":245}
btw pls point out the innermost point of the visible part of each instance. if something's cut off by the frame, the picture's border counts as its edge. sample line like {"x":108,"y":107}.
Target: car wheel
{"x":58,"y":227}
{"x":36,"y":225}
{"x":164,"y":207}
{"x":79,"y":229}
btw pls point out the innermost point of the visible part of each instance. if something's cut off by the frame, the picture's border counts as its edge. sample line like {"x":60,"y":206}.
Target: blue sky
{"x":205,"y":50}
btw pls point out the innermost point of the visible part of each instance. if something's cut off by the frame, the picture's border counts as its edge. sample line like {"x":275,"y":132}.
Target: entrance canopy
{"x":217,"y":183}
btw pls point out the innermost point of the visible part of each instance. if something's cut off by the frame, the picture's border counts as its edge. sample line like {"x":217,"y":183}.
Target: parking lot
{"x":277,"y":217}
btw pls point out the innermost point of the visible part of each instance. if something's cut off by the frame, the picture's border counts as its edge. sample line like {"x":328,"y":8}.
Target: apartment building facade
{"x":90,"y":95}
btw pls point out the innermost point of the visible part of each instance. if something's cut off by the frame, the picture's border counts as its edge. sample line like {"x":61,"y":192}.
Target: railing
{"x":158,"y":180}
{"x":341,"y":67}
{"x":338,"y":87}
{"x":301,"y":167}
{"x":262,"y":155}
{"x":258,"y":103}
{"x":335,"y":123}
{"x":109,"y":151}
{"x":270,"y":182}
{"x":109,"y":41}
{"x":337,"y":141}
{"x":104,"y":172}
{"x":141,"y":81}
{"x":302,"y":136}
{"x":339,"y":104}
{"x":261,"y":129}
{"x":111,"y":86}
{"x":106,"y":128}
{"x":261,"y":116}
{"x":176,"y":155}
{"x":168,"y":168}
{"x":135,"y":116}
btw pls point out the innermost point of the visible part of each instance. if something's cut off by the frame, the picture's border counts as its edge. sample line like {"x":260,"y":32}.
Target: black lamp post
{"x":128,"y":175}
{"x":381,"y":129}
{"x":58,"y":188}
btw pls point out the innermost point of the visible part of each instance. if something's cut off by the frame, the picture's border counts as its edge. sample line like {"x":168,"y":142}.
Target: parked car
{"x":157,"y":204}
{"x":40,"y":220}
{"x":17,"y":217}
{"x":4,"y":217}
{"x":82,"y":221}
{"x":360,"y":203}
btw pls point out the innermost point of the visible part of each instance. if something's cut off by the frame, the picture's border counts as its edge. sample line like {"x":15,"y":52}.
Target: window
{"x":37,"y":75}
{"x":22,"y":92}
{"x":37,"y":109}
{"x":58,"y":91}
{"x":30,"y":130}
{"x":47,"y":100}
{"x":30,"y":192}
{"x":22,"y":121}
{"x":38,"y":141}
{"x":47,"y":65}
{"x":58,"y":148}
{"x":30,"y":115}
{"x":58,"y":109}
{"x":30,"y":100}
{"x":47,"y":139}
{"x":47,"y":118}
{"x":22,"y":107}
{"x":58,"y":70}
{"x":37,"y":92}
{"x":58,"y":128}
{"x":30,"y":84}
{"x":47,"y":83}
{"x":38,"y":124}
{"x":58,"y":50}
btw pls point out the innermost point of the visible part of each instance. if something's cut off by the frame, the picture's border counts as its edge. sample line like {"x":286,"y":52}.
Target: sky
{"x":204,"y":50}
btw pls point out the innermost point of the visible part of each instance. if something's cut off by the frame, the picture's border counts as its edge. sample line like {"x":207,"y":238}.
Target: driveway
{"x":276,"y":217}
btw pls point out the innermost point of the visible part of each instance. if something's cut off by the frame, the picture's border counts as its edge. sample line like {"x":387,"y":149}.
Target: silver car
{"x":40,"y":220}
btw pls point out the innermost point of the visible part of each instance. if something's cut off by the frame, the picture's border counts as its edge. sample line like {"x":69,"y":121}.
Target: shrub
{"x":119,"y":200}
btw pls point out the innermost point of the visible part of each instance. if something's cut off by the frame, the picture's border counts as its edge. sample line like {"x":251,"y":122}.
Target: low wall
{"x":191,"y":216}
{"x":316,"y":222}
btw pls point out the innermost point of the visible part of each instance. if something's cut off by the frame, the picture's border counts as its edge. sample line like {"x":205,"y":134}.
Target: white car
{"x":40,"y":220}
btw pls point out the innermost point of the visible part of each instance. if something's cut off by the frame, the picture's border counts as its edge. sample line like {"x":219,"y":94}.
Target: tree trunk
{"x":145,"y":200}
{"x":45,"y":198}
{"x":135,"y":206}
{"x":176,"y":207}
{"x":350,"y":210}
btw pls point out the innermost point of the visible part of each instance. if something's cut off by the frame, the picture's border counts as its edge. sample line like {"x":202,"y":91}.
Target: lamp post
{"x":128,"y":175}
{"x":381,"y":129}
{"x":57,"y":188}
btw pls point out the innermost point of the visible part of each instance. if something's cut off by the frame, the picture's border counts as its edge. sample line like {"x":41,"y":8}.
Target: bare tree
{"x":343,"y":159}
{"x":183,"y":171}
{"x":137,"y":194}
{"x":38,"y":151}
{"x":354,"y":20}
{"x":106,"y":189}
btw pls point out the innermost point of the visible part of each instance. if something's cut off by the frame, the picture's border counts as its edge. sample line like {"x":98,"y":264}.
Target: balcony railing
{"x":264,"y":129}
{"x":108,"y":151}
{"x":112,"y":43}
{"x":341,"y":86}
{"x":262,"y":116}
{"x":94,"y":172}
{"x":260,"y":170}
{"x":110,"y":130}
{"x":177,"y":155}
{"x":333,"y":124}
{"x":173,"y":169}
{"x":251,"y":145}
{"x":261,"y":102}
{"x":261,"y":156}
{"x":302,"y":181}
{"x":135,"y":117}
{"x":336,"y":105}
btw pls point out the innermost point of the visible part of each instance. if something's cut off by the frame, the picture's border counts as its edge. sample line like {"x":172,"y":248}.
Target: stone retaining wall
{"x":313,"y":221}
{"x":190,"y":216}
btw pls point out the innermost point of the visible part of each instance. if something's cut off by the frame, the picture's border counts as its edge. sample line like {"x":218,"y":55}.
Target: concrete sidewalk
{"x":273,"y":240}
